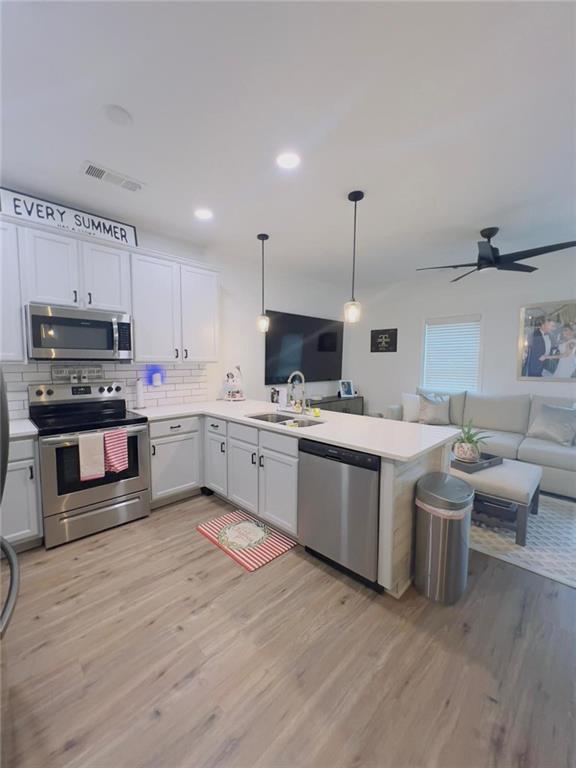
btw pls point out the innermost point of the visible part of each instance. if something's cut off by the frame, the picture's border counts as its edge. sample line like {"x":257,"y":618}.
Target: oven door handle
{"x":64,"y":441}
{"x":115,"y":335}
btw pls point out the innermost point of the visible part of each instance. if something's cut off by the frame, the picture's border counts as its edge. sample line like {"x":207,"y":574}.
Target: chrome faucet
{"x":290,"y":382}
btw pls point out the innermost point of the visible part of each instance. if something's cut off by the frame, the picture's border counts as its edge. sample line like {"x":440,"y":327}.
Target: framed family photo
{"x":547,"y":343}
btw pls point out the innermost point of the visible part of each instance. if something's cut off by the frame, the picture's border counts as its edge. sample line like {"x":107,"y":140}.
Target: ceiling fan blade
{"x":519,"y":255}
{"x":516,"y":267}
{"x":448,"y":266}
{"x":464,"y":275}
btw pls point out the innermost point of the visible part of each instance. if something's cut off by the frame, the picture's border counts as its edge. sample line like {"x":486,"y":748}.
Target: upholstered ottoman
{"x":505,"y":495}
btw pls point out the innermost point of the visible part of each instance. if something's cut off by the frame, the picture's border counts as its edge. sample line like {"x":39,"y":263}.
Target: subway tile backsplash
{"x":184,"y":383}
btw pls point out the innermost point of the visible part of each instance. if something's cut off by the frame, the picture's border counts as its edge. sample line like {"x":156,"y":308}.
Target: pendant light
{"x":263,"y":321}
{"x":353,"y":308}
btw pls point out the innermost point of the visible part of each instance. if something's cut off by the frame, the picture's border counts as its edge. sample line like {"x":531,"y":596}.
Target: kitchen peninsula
{"x":407,"y":451}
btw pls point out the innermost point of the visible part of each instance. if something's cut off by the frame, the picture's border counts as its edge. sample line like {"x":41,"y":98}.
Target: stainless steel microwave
{"x":65,"y":333}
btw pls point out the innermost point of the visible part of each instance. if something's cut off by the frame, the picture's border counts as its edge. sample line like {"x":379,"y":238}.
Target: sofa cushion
{"x":410,"y":407}
{"x":538,"y":401}
{"x":548,"y":454}
{"x":457,"y":400}
{"x":507,"y":413}
{"x":434,"y":409}
{"x":503,"y":444}
{"x":554,"y":423}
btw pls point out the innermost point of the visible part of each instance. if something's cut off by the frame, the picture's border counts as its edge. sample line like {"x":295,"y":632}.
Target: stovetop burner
{"x":59,"y":408}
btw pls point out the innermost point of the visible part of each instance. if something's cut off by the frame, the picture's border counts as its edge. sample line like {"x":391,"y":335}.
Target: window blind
{"x":452,"y":354}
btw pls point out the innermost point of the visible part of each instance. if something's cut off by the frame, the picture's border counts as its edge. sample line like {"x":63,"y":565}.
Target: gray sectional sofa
{"x":507,"y":420}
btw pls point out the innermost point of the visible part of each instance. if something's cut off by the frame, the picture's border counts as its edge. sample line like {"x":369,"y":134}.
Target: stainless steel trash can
{"x":443,"y":511}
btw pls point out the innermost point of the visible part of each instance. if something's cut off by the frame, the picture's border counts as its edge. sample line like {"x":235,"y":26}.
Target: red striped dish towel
{"x":116,"y":450}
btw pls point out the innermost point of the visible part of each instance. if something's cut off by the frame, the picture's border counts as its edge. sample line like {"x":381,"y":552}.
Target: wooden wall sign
{"x":384,"y":341}
{"x":33,"y":210}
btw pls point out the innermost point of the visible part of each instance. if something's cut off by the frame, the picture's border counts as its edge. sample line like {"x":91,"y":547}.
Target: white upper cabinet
{"x":11,"y":325}
{"x":106,"y":278}
{"x":156,"y":309}
{"x":199,"y":290}
{"x":52,"y":268}
{"x":175,"y":311}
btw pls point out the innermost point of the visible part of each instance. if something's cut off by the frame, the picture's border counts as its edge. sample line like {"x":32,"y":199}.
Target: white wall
{"x":498,"y":297}
{"x":242,"y":344}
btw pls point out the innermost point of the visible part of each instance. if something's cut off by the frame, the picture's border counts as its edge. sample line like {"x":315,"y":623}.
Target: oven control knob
{"x":101,"y":389}
{"x":109,"y":389}
{"x":39,"y":393}
{"x":118,"y":389}
{"x":49,"y":391}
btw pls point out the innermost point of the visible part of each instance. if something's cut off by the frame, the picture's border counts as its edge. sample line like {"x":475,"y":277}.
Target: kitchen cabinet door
{"x":243,"y":474}
{"x":278,"y":490}
{"x":175,"y":465}
{"x":199,"y":290}
{"x":106,"y":278}
{"x":52,"y":269}
{"x":216,"y":464}
{"x":156,"y":309}
{"x":19,"y":513}
{"x":11,"y":317}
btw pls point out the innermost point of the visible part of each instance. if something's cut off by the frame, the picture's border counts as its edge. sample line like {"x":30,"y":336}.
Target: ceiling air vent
{"x":112,"y":177}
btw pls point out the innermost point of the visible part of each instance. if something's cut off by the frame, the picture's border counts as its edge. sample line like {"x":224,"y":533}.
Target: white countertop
{"x":395,"y":440}
{"x":22,"y":428}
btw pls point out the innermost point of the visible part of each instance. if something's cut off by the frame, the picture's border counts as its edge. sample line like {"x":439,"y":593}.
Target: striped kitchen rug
{"x":251,"y":543}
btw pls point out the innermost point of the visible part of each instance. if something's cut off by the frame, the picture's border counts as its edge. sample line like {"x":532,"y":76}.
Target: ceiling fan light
{"x":352,"y":312}
{"x":263,"y":323}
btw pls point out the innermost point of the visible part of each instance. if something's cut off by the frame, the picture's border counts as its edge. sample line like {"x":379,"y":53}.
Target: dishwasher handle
{"x":342,"y":455}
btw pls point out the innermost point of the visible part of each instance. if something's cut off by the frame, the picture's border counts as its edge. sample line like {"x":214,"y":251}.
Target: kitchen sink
{"x":299,"y":423}
{"x":271,"y":418}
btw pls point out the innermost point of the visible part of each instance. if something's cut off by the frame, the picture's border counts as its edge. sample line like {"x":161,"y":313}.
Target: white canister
{"x":140,"y":402}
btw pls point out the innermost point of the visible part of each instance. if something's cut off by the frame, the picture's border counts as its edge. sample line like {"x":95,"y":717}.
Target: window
{"x":452,"y":354}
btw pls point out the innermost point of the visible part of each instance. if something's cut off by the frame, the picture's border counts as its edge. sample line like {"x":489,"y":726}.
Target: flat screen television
{"x":312,"y":345}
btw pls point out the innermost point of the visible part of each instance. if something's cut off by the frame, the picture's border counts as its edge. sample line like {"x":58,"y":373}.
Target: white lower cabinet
{"x":216,"y":463}
{"x":278,"y":489}
{"x":175,"y":465}
{"x":243,"y":474}
{"x":20,"y":511}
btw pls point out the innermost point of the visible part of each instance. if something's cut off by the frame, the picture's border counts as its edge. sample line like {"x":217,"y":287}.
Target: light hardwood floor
{"x":146,"y":647}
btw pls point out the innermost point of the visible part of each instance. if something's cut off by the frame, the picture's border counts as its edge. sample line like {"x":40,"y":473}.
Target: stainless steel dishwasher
{"x":338,"y":503}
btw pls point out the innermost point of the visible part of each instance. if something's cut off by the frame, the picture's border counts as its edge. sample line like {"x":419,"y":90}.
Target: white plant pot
{"x":466,"y":452}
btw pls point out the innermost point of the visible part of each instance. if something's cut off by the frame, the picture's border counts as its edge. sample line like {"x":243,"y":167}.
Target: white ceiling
{"x":451,"y":117}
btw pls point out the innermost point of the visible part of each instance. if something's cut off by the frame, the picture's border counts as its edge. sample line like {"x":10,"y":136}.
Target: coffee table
{"x":505,"y":495}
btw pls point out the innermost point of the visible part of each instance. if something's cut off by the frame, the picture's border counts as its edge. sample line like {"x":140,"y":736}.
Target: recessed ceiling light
{"x":117,"y":114}
{"x":288,"y":160}
{"x":204,"y":214}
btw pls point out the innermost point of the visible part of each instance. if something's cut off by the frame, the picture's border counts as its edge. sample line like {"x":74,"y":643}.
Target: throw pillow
{"x":554,"y":423}
{"x":434,"y":409}
{"x":410,"y":407}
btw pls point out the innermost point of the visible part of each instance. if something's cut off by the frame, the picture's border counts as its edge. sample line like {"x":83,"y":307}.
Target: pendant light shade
{"x":352,"y":311}
{"x":353,"y":308}
{"x":263,"y":321}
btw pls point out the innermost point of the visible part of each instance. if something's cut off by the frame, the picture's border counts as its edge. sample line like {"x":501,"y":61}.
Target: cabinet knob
{"x":176,"y":353}
{"x":254,"y":458}
{"x":75,"y":293}
{"x":31,"y":470}
{"x":89,"y":297}
{"x":185,"y":354}
{"x":261,"y":462}
{"x":153,"y":450}
{"x":222,"y":447}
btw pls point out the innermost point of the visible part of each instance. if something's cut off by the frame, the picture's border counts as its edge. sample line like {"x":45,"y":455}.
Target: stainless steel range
{"x":73,"y":508}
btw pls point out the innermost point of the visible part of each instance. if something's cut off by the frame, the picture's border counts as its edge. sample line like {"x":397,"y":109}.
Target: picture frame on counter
{"x":346,"y":388}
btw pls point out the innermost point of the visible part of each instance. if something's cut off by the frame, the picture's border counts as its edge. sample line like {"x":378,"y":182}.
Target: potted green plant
{"x":467,"y":445}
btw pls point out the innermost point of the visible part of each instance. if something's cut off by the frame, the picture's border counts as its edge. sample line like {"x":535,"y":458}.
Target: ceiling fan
{"x":489,"y":257}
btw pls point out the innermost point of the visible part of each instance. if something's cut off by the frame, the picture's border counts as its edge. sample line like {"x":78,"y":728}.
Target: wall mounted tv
{"x":312,"y":345}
